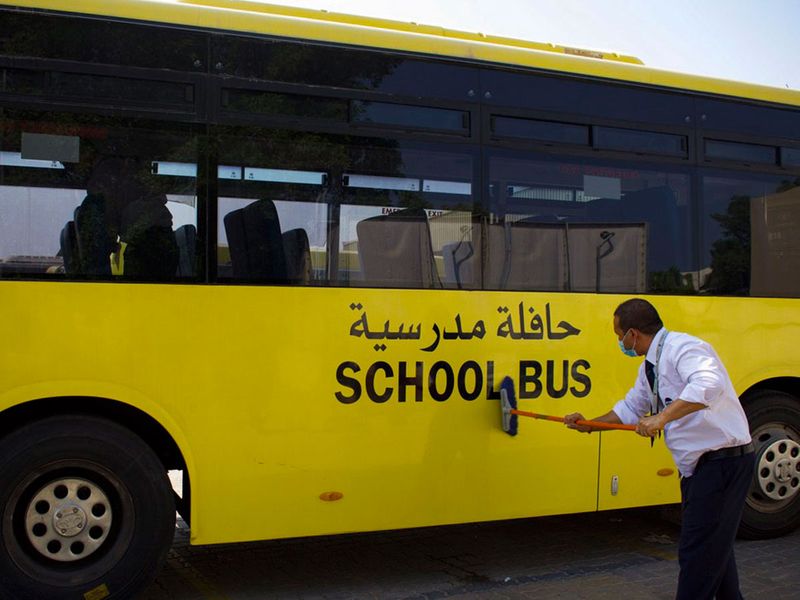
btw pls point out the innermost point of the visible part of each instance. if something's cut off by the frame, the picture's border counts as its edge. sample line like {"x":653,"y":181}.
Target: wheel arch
{"x":142,"y":424}
{"x":787,"y":385}
{"x":773,"y":412}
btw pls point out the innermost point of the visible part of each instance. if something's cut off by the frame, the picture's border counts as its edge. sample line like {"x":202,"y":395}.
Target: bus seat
{"x":395,"y":250}
{"x":69,"y":248}
{"x":186,"y":238}
{"x":255,"y":242}
{"x":657,"y":207}
{"x":92,"y":238}
{"x":526,"y":256}
{"x":607,"y":257}
{"x":459,"y":260}
{"x":298,"y":256}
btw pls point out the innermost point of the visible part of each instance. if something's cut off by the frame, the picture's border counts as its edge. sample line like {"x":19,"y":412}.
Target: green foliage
{"x":671,"y":281}
{"x":730,"y":255}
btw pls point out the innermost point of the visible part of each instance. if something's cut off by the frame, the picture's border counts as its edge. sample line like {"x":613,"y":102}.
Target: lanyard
{"x":654,"y":391}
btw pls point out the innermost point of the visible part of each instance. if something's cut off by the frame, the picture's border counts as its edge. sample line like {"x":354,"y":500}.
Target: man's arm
{"x":649,"y":426}
{"x":609,"y":417}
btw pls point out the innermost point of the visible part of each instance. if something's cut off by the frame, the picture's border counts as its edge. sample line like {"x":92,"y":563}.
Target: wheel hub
{"x":68,"y":519}
{"x":783,"y":470}
{"x":778,"y":470}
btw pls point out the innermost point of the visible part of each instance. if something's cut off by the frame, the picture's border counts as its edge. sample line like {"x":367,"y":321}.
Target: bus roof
{"x":431,"y":30}
{"x":249,"y":16}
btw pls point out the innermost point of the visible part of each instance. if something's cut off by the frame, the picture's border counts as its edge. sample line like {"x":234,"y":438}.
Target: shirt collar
{"x":653,"y":349}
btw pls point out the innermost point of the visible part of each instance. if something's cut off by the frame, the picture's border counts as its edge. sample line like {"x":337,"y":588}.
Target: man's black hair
{"x":638,"y":314}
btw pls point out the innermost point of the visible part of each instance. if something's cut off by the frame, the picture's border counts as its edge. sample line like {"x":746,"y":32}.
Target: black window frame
{"x":599,"y":144}
{"x":193,"y":111}
{"x":731,"y":159}
{"x":695,"y":115}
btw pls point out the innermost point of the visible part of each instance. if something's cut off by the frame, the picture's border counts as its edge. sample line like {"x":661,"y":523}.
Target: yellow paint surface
{"x":245,"y":379}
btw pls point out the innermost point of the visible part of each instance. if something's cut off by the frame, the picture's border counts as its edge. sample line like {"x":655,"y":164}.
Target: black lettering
{"x":470,"y":365}
{"x":525,"y":379}
{"x":491,"y":394}
{"x":581,"y":378}
{"x":551,"y":388}
{"x":370,"y":382}
{"x":403,"y":380}
{"x":348,"y":382}
{"x":449,"y":381}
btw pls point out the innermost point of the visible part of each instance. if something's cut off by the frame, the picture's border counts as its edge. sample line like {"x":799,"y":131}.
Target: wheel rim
{"x":778,"y":469}
{"x":33,"y":528}
{"x":68,"y":519}
{"x":776,"y":481}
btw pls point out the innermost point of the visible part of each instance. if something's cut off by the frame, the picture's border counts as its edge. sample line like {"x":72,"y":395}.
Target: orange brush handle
{"x":596,"y":424}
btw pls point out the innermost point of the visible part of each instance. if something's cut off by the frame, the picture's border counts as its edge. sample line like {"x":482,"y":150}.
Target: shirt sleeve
{"x":698,"y":365}
{"x":636,"y":402}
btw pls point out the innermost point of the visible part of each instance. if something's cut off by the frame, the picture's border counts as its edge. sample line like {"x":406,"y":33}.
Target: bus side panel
{"x":747,"y":346}
{"x":289,"y":394}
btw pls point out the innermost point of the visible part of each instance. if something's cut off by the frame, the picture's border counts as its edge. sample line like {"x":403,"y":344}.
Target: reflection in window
{"x":642,"y":142}
{"x":81,"y":201}
{"x":750,"y":240}
{"x":414,"y":228}
{"x":310,"y":210}
{"x":587,"y":227}
{"x":410,"y":117}
{"x":271,"y":241}
{"x":288,"y":105}
{"x":103,"y":87}
{"x":543,"y":131}
{"x":94,"y":88}
{"x":275,"y":223}
{"x":790,"y":157}
{"x":328,"y":66}
{"x":746,"y":153}
{"x":342,"y":110}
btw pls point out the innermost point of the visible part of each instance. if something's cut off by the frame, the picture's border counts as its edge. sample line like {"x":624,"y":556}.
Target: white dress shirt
{"x":689,"y":369}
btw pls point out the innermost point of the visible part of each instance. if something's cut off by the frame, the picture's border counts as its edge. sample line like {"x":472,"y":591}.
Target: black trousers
{"x":712,"y":502}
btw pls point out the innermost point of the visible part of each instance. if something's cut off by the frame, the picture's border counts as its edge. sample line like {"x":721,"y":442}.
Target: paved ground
{"x":623,"y":554}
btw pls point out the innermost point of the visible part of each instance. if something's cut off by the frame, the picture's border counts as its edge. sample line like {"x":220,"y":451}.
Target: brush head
{"x":508,"y":402}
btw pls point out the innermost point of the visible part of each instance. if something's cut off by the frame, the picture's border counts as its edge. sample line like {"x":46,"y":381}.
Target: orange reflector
{"x":665,"y":472}
{"x":331,"y":496}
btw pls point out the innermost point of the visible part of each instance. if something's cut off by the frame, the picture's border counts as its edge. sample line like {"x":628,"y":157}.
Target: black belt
{"x":727,"y":452}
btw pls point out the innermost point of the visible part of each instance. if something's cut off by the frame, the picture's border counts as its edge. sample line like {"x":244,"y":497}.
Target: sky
{"x":755,"y":41}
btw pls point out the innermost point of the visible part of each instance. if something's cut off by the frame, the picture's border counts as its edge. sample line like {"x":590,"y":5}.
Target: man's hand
{"x":570,"y":421}
{"x":650,"y":426}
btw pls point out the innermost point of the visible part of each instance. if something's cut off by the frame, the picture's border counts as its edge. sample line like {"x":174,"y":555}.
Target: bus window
{"x":96,"y":199}
{"x":750,"y":244}
{"x":543,"y":131}
{"x":408,"y":219}
{"x":273,"y":205}
{"x":587,"y":227}
{"x":743,"y":153}
{"x":790,"y":157}
{"x":112,"y":42}
{"x":335,"y":67}
{"x":305,"y":209}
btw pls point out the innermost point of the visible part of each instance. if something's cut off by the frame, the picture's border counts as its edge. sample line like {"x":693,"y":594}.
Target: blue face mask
{"x":627,"y":351}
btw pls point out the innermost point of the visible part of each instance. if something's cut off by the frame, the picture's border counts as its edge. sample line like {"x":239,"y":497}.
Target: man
{"x":124,"y":212}
{"x":684,"y":390}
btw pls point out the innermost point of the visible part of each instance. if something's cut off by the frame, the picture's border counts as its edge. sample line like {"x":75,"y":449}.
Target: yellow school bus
{"x":291,"y":254}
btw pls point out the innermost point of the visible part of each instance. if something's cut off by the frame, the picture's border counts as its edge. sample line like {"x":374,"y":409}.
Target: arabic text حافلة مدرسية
{"x":537,"y":328}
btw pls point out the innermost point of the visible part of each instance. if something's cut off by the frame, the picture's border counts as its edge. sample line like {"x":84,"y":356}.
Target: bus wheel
{"x":87,"y":511}
{"x":773,"y":501}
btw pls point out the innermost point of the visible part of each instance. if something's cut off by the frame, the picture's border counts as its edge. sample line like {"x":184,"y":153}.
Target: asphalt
{"x":628,"y":554}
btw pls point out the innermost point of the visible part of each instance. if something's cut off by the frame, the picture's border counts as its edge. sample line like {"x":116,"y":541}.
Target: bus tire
{"x":87,"y":511}
{"x":772,"y":507}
